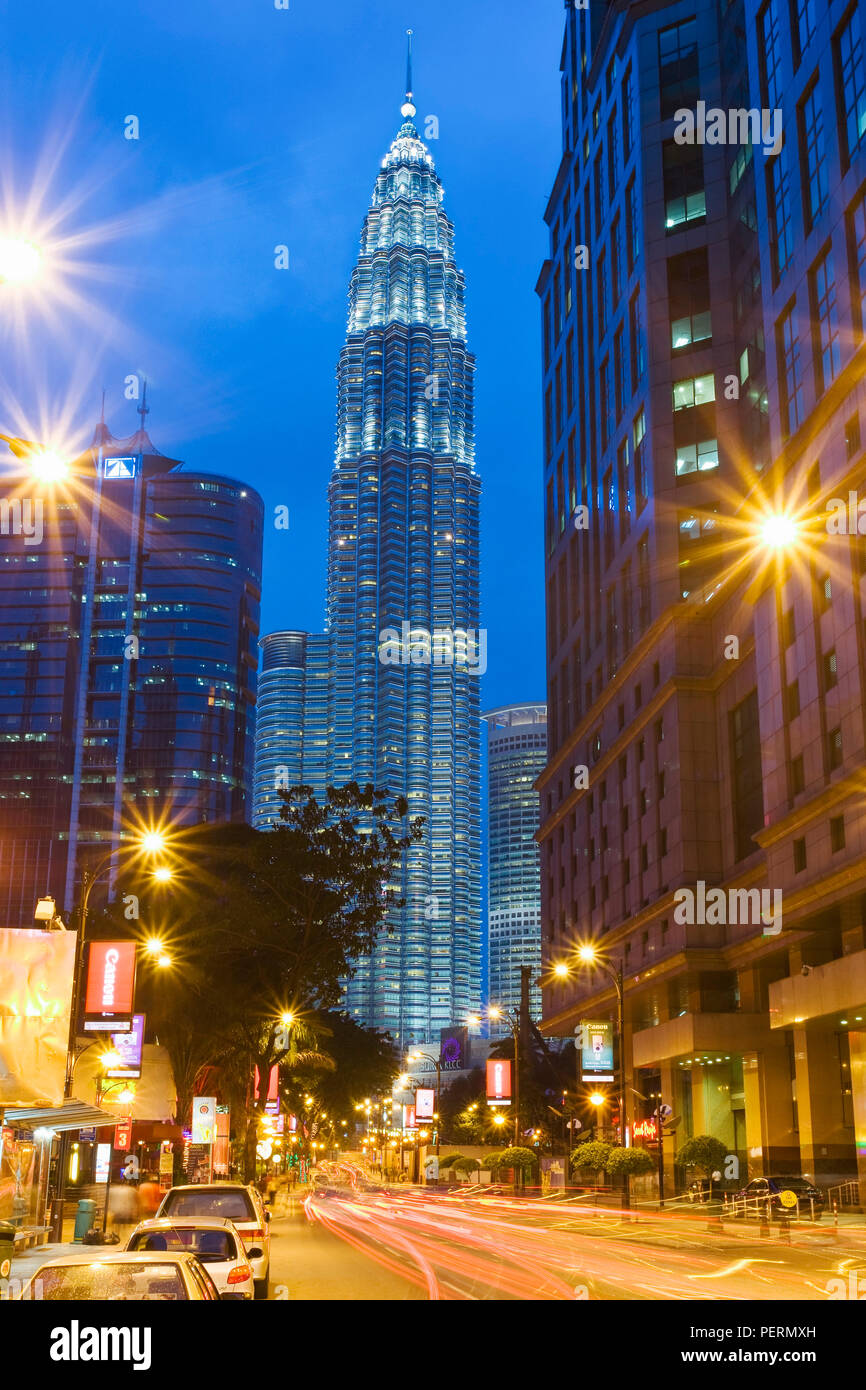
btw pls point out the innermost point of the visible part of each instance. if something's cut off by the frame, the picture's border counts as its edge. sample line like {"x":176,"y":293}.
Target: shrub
{"x":630,"y":1163}
{"x":492,"y":1162}
{"x":593,"y":1155}
{"x":521,"y":1160}
{"x":703,"y":1151}
{"x":449,"y":1161}
{"x":466,"y":1165}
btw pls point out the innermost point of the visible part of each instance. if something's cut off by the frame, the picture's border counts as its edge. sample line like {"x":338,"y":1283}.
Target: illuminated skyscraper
{"x":403,"y":589}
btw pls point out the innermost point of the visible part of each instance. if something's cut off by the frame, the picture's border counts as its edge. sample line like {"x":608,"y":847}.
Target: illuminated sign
{"x":425,"y":1104}
{"x":119,"y":468}
{"x":129,"y":1046}
{"x":110,"y":985}
{"x":409,"y":1121}
{"x":596,"y":1050}
{"x":452,"y":1049}
{"x":103,"y":1162}
{"x":498,"y":1081}
{"x":36,"y":970}
{"x":123,"y":1135}
{"x":646,"y":1129}
{"x":204,"y":1119}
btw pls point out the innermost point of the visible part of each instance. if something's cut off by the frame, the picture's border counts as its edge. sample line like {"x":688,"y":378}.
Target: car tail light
{"x":240,"y":1274}
{"x":250,"y":1237}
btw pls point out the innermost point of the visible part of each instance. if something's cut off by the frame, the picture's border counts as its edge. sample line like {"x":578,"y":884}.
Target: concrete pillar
{"x":826,"y":1147}
{"x":857,"y":1043}
{"x":771,"y":1142}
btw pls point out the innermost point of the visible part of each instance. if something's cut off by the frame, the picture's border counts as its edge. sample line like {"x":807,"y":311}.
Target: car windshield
{"x":231,"y":1203}
{"x":207,"y":1245}
{"x":110,"y":1283}
{"x":793,"y":1184}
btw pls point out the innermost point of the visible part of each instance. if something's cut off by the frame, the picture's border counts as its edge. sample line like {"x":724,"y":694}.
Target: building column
{"x":770,"y":1139}
{"x":825,"y":1143}
{"x":857,"y":1044}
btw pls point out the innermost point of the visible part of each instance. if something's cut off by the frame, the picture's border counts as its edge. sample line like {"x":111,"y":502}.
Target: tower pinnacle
{"x":407,"y":110}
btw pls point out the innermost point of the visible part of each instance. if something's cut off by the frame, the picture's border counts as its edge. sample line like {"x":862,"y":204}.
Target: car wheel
{"x":262,"y":1288}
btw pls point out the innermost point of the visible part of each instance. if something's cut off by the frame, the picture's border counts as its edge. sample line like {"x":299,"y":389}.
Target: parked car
{"x":145,"y":1276}
{"x":771,"y":1189}
{"x":231,"y":1201}
{"x":215,"y":1242}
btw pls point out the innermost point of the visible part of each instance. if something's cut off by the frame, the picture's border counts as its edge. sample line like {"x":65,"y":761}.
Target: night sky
{"x":261,"y":127}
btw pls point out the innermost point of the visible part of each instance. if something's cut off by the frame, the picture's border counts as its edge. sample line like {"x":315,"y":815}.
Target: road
{"x":412,"y":1244}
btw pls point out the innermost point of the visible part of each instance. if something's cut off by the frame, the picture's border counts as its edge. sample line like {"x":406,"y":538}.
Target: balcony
{"x":835,"y":990}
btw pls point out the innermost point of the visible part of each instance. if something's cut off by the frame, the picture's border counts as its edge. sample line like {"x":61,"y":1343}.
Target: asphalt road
{"x":411,"y":1244}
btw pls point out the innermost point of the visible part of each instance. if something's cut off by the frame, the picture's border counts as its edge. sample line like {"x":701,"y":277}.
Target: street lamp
{"x":588,"y":956}
{"x":20,"y":261}
{"x":437,"y":1062}
{"x":512,"y":1018}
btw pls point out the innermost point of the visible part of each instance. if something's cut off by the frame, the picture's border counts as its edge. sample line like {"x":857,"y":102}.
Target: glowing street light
{"x":48,"y":467}
{"x":153,"y":842}
{"x":20,"y":261}
{"x":779,"y":531}
{"x":163,"y":874}
{"x":111,"y":1059}
{"x":597,"y":1098}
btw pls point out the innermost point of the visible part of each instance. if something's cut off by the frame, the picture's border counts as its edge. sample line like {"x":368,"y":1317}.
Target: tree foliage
{"x":592,"y":1156}
{"x":630,"y":1163}
{"x":522,"y":1160}
{"x":704,"y":1152}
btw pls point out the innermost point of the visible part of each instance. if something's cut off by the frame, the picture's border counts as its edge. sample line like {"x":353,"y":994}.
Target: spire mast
{"x":407,"y":110}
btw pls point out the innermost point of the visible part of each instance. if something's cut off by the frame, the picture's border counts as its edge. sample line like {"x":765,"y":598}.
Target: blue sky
{"x":260,"y":127}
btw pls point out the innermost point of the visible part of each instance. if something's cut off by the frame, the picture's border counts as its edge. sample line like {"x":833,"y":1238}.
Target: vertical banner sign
{"x":129,"y":1046}
{"x":498,"y":1081}
{"x":123,"y":1135}
{"x":409,"y":1117}
{"x":36,"y":970}
{"x":425,"y":1103}
{"x":103,"y":1162}
{"x":596,"y":1054}
{"x":110,"y":986}
{"x":204,"y":1120}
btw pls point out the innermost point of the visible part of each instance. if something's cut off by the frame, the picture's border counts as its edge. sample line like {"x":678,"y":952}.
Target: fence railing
{"x":845,"y":1194}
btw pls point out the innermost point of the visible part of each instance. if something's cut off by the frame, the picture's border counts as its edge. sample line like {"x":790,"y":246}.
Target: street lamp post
{"x":437,"y":1062}
{"x":588,"y":955}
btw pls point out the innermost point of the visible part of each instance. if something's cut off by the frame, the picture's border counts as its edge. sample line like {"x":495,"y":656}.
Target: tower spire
{"x":407,"y":110}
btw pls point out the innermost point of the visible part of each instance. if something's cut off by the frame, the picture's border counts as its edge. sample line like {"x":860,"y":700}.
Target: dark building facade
{"x":703,"y":357}
{"x":128,"y":660}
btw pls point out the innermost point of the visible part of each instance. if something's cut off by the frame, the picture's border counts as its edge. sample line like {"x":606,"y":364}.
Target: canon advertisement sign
{"x":110,"y":986}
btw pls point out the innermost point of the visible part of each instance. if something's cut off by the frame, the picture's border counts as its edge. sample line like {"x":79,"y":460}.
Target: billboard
{"x":498,"y":1081}
{"x":596,"y":1050}
{"x":36,"y":972}
{"x":110,"y":986}
{"x":203,"y":1119}
{"x":129,"y":1046}
{"x":409,"y":1121}
{"x":425,"y":1103}
{"x":453,"y":1044}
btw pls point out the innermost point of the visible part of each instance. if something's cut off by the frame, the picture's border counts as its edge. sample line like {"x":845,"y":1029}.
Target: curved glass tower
{"x":404,"y":567}
{"x":406,"y":653}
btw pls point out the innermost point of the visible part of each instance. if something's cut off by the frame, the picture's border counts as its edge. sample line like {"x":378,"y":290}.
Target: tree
{"x":522,"y":1161}
{"x":704,"y":1152}
{"x":276,"y":920}
{"x":591,"y":1156}
{"x":450,"y":1162}
{"x":629,"y":1163}
{"x":492,"y":1163}
{"x":466,"y":1165}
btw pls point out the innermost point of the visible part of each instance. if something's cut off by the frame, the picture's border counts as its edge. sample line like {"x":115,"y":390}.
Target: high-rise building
{"x":703,"y":340}
{"x":403,"y":590}
{"x":128,"y":659}
{"x":288,"y":751}
{"x":516,"y":756}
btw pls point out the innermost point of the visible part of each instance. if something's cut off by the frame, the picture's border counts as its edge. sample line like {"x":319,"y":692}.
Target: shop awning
{"x":74,"y":1114}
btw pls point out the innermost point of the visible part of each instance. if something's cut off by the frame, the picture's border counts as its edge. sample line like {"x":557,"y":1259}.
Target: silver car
{"x":215,"y":1242}
{"x":230,"y":1201}
{"x":146,"y":1276}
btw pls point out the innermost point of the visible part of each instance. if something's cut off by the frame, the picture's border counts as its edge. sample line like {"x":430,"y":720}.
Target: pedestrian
{"x":149,"y":1196}
{"x":123,"y":1208}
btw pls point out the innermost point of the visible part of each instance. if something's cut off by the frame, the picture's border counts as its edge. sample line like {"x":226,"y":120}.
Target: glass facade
{"x":517,"y":753}
{"x":401,"y":704}
{"x":128,"y":650}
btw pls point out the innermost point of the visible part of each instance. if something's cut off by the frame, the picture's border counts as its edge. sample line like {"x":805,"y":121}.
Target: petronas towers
{"x":396,"y":699}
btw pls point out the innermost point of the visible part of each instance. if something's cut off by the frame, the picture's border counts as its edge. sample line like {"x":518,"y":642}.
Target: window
{"x":622,"y":393}
{"x":834,"y":748}
{"x":852,"y":436}
{"x":769,"y":47}
{"x":694,"y":390}
{"x":831,"y":675}
{"x":689,"y":298}
{"x":612,"y":158}
{"x":799,"y":856}
{"x":792,"y":701}
{"x":639,"y":452}
{"x":602,"y":301}
{"x":826,"y":313}
{"x":685,"y":200}
{"x":816,"y":187}
{"x":663,"y":842}
{"x":627,"y":113}
{"x":857,"y":259}
{"x":806,"y":24}
{"x":798,"y":776}
{"x":699,"y":457}
{"x":638,"y":347}
{"x":632,"y":228}
{"x":616,"y":260}
{"x":852,"y":78}
{"x":790,"y":371}
{"x":678,"y":67}
{"x":779,"y":200}
{"x":789,"y":629}
{"x":837,"y":833}
{"x":748,"y":791}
